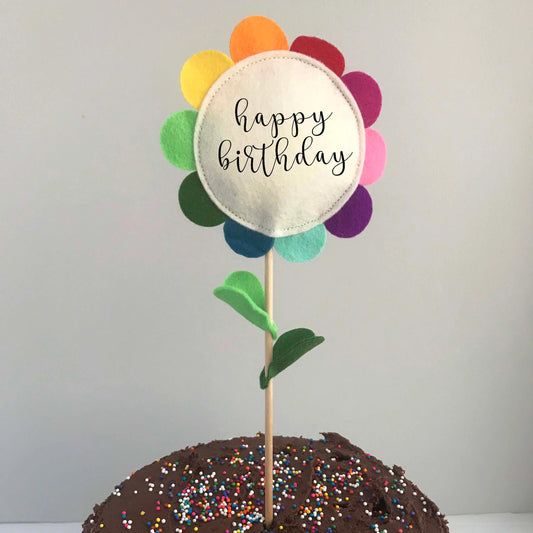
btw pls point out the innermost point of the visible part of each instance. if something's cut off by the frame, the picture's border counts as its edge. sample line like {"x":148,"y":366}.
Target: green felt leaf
{"x":196,"y":204}
{"x":244,"y":292}
{"x":287,"y":350}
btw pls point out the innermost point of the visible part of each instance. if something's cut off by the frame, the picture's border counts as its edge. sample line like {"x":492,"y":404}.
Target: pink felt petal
{"x":354,"y":216}
{"x":367,"y":94}
{"x":375,"y":157}
{"x":321,"y":51}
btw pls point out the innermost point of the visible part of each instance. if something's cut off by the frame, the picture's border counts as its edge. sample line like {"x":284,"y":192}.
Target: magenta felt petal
{"x":354,"y":216}
{"x":375,"y":157}
{"x":367,"y":94}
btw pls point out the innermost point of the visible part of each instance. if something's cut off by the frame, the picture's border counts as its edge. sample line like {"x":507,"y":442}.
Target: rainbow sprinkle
{"x":319,"y":487}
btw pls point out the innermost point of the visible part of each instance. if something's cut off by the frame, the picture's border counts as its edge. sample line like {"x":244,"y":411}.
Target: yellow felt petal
{"x":254,"y":35}
{"x":200,"y":72}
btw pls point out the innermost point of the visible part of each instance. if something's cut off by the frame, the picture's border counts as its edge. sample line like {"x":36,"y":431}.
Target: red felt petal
{"x":375,"y":157}
{"x":354,"y":216}
{"x":367,"y":94}
{"x":321,"y":51}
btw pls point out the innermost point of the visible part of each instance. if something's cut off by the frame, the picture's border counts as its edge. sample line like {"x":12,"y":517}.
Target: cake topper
{"x":281,"y":150}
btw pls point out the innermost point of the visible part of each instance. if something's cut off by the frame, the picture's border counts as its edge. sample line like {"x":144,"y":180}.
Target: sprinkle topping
{"x":320,"y":486}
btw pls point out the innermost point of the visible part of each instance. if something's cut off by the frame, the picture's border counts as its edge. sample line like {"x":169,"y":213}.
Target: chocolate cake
{"x":320,"y":486}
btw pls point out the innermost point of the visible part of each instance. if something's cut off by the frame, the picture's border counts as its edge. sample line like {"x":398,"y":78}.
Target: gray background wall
{"x":113,"y":350}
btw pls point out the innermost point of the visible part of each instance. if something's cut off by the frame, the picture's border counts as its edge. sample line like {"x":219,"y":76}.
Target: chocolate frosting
{"x":320,"y":486}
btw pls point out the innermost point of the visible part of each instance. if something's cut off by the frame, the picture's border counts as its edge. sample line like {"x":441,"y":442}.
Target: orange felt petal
{"x":254,"y":35}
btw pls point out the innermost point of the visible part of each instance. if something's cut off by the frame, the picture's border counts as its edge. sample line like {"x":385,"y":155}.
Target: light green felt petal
{"x":248,"y":283}
{"x":302,"y":247}
{"x":177,"y":135}
{"x":196,"y":204}
{"x":287,"y":350}
{"x":244,"y":293}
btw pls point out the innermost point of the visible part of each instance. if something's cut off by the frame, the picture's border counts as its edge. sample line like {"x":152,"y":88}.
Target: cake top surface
{"x":320,"y":486}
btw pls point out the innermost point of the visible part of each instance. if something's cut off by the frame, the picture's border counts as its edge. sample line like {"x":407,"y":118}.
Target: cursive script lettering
{"x":267,"y":157}
{"x":274,"y":153}
{"x":275,"y":120}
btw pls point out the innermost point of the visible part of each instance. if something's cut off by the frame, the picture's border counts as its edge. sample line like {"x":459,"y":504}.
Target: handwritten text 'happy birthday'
{"x":268,"y":156}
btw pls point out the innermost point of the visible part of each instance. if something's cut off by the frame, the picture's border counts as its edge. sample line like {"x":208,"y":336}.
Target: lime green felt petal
{"x":287,"y":350}
{"x":176,"y":139}
{"x":196,"y":204}
{"x":244,"y":292}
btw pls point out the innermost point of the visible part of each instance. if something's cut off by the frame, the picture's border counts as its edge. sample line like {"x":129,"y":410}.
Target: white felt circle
{"x":279,"y":143}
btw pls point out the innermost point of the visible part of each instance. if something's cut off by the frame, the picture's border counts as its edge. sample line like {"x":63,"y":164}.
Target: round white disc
{"x":279,"y":143}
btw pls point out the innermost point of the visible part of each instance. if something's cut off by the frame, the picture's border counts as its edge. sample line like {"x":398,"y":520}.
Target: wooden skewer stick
{"x":269,"y":393}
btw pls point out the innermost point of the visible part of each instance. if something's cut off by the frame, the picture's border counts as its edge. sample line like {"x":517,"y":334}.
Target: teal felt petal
{"x":243,"y":292}
{"x":196,"y":204}
{"x":302,"y":247}
{"x":246,"y":241}
{"x":177,"y":135}
{"x":287,"y":350}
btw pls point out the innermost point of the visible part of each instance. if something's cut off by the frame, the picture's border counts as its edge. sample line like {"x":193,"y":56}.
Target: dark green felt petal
{"x":244,"y":293}
{"x":263,"y":381}
{"x":177,"y":139}
{"x":196,"y":204}
{"x":287,"y":350}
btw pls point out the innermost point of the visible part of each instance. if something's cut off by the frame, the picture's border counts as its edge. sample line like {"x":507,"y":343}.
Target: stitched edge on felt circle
{"x":337,"y":82}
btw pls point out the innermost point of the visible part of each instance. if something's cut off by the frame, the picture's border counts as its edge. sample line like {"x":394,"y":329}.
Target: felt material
{"x":367,"y":94}
{"x":244,"y":293}
{"x":246,"y":241}
{"x":375,"y":157}
{"x":176,"y":138}
{"x":354,"y":217}
{"x":254,"y":35}
{"x":200,"y":72}
{"x":196,"y":204}
{"x":287,"y":350}
{"x":272,"y":154}
{"x":320,"y":50}
{"x":302,"y":247}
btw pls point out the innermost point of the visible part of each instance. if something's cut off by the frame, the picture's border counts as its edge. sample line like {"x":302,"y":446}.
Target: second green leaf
{"x":287,"y":350}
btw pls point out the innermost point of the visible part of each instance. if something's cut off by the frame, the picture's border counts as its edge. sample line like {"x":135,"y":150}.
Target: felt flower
{"x":279,"y":142}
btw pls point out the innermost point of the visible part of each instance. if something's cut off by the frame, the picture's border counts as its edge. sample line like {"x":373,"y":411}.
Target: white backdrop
{"x":113,"y":349}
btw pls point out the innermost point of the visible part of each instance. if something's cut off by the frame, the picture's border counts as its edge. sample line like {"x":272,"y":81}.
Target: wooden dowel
{"x":269,"y":393}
